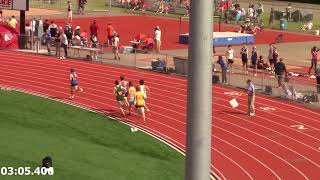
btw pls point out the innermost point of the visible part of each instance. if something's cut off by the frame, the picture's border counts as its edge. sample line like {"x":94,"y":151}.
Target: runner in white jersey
{"x":124,"y":85}
{"x":145,"y":90}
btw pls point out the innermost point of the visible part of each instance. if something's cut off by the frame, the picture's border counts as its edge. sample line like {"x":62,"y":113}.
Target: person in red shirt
{"x":314,"y":59}
{"x":110,"y":33}
{"x":149,"y":43}
{"x":94,"y":29}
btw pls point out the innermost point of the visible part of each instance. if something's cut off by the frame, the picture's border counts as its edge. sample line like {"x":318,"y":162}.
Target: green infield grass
{"x":82,"y":144}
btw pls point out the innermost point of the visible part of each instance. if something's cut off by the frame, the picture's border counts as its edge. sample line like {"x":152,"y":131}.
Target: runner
{"x":118,"y":92}
{"x":132,"y":92}
{"x":145,"y":90}
{"x":244,"y":57}
{"x":74,"y":83}
{"x":124,"y":85}
{"x":140,"y":103}
{"x":230,"y":56}
{"x":254,"y":59}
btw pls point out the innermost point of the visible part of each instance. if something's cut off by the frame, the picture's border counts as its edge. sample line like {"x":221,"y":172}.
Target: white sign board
{"x":14,"y":4}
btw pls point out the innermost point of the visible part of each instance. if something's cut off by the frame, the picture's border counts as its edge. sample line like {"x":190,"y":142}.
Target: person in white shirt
{"x":157,"y":38}
{"x":115,"y":47}
{"x":307,"y":26}
{"x":230,"y":56}
{"x":64,"y":44}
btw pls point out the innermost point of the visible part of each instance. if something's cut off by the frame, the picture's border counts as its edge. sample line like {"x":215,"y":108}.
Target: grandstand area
{"x":282,"y":140}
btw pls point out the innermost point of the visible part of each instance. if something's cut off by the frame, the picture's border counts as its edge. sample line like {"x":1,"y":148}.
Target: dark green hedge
{"x":305,"y":1}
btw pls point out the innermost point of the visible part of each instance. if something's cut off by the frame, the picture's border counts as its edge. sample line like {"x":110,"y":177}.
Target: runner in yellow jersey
{"x":140,"y":103}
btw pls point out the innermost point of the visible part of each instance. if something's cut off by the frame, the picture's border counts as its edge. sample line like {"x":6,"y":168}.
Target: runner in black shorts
{"x":244,"y":58}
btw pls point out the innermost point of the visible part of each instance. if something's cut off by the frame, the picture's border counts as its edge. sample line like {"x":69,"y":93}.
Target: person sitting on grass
{"x":307,"y":27}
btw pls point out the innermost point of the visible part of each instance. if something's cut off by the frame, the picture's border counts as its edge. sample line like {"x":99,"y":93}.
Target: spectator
{"x":110,"y":33}
{"x":251,"y":12}
{"x":281,"y":72}
{"x":307,"y":27}
{"x":64,"y":44}
{"x":270,"y":56}
{"x":149,"y":43}
{"x":69,"y":33}
{"x":84,"y":38}
{"x":260,"y":9}
{"x":77,"y":31}
{"x":224,"y":68}
{"x":275,"y":56}
{"x":29,"y":35}
{"x":48,"y":40}
{"x":288,"y":12}
{"x":94,"y":44}
{"x":314,"y":59}
{"x":69,"y":6}
{"x":262,"y":64}
{"x":94,"y":29}
{"x":82,"y":3}
{"x":160,"y":6}
{"x":57,"y":40}
{"x":46,"y":25}
{"x":157,"y":38}
{"x":271,"y":18}
{"x":15,"y":22}
{"x":318,"y":78}
{"x":115,"y":47}
{"x":251,"y":97}
{"x":53,"y":28}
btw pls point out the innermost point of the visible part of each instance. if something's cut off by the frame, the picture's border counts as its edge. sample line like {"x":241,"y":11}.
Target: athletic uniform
{"x":139,"y":99}
{"x":119,"y":93}
{"x":254,"y":57}
{"x":244,"y":55}
{"x":230,"y":56}
{"x":132,"y":92}
{"x":143,"y":90}
{"x":124,"y":85}
{"x":74,"y":79}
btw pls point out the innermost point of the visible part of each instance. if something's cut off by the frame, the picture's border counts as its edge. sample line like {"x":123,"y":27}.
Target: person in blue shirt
{"x":251,"y":97}
{"x":224,"y":67}
{"x":48,"y":40}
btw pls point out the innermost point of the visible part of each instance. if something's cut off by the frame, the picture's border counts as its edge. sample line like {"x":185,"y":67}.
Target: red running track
{"x":268,"y":146}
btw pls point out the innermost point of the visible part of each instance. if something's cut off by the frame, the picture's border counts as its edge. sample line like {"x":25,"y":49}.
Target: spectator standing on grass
{"x":251,"y":97}
{"x":94,"y":29}
{"x":230,"y":56}
{"x":157,"y":38}
{"x":314,"y":59}
{"x":254,"y":59}
{"x":224,"y":68}
{"x":64,"y":44}
{"x":81,"y":6}
{"x":69,"y":7}
{"x":244,"y":57}
{"x":288,"y":12}
{"x":48,"y":40}
{"x":281,"y":72}
{"x":271,"y":18}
